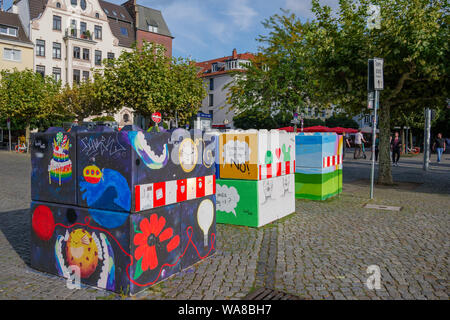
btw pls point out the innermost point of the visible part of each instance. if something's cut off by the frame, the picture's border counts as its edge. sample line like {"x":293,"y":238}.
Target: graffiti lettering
{"x":92,"y":146}
{"x":242,"y":167}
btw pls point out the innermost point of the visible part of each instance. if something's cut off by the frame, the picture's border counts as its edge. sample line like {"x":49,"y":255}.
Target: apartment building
{"x":16,"y":49}
{"x":73,"y":37}
{"x":216,"y":74}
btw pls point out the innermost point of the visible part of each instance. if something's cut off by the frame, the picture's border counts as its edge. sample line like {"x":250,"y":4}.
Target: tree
{"x":28,"y":99}
{"x":84,"y":99}
{"x":341,"y":121}
{"x":331,"y":51}
{"x":146,"y":80}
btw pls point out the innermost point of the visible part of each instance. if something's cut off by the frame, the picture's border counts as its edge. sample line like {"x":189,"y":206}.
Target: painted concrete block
{"x":254,"y":203}
{"x":256,"y":154}
{"x":53,"y":167}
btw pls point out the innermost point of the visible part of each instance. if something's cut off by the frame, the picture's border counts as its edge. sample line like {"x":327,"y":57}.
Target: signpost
{"x":156,"y":117}
{"x":295,"y":121}
{"x":375,"y":83}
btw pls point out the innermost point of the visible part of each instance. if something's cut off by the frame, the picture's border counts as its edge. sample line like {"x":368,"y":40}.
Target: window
{"x":98,"y":32}
{"x":211,"y":84}
{"x":98,"y":58}
{"x":56,"y":23}
{"x":97,"y":15}
{"x":121,"y":14}
{"x":73,"y":2}
{"x":114,"y":13}
{"x":85,"y":54}
{"x":56,"y":50}
{"x":366,"y":119}
{"x":152,"y":28}
{"x":40,"y":48}
{"x":57,"y":74}
{"x":83,"y":4}
{"x":76,"y":52}
{"x":83,"y":27}
{"x":124,"y":31}
{"x":9,"y":31}
{"x":40,"y":70}
{"x":126,"y":117}
{"x":76,"y":76}
{"x":58,"y":5}
{"x":110,"y":55}
{"x":85,"y":75}
{"x":214,"y":67}
{"x":12,"y":54}
{"x":211,"y":100}
{"x":106,"y":10}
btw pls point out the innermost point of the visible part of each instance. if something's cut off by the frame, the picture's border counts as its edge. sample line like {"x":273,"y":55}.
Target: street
{"x":320,"y":252}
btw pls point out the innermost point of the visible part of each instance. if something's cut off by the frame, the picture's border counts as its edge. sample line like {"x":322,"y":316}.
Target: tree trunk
{"x":384,"y":168}
{"x":27,"y":136}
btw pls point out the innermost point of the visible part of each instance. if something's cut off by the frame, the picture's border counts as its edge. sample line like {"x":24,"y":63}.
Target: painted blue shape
{"x":112,"y":186}
{"x":107,"y":219}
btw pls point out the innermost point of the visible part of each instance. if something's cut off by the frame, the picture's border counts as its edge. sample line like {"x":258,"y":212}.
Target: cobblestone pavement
{"x":320,"y":252}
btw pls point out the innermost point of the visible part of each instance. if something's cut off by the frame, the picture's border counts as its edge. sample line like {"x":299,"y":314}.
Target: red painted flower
{"x":152,"y":233}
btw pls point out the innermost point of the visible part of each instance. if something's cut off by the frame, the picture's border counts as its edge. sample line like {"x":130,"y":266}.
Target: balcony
{"x":79,"y":34}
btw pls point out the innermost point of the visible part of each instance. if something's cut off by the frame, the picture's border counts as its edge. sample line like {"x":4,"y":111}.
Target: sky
{"x":210,"y":29}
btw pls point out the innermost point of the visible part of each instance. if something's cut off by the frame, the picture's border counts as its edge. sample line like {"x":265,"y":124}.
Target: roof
{"x":121,"y":12}
{"x":205,"y":66}
{"x":149,"y":16}
{"x":12,"y":20}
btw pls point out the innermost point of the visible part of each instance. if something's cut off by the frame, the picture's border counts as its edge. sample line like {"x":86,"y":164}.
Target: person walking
{"x":439,"y":146}
{"x":377,"y":142}
{"x":359,"y":139}
{"x":346,"y":144}
{"x":396,"y":144}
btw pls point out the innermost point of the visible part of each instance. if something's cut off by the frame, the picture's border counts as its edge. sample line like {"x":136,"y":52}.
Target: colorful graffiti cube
{"x":119,"y":251}
{"x":256,"y":154}
{"x":318,"y":171}
{"x":254,"y":203}
{"x":139,"y":208}
{"x":53,"y":167}
{"x":122,"y":165}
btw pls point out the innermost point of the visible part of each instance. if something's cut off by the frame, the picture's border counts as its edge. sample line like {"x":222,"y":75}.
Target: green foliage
{"x":324,"y":61}
{"x":258,"y":119}
{"x":146,"y":80}
{"x":104,"y":118}
{"x":341,"y":121}
{"x":28,"y":99}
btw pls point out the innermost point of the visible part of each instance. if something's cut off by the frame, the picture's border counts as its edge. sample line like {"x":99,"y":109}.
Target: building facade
{"x":216,"y":75}
{"x":73,"y":37}
{"x":16,"y":49}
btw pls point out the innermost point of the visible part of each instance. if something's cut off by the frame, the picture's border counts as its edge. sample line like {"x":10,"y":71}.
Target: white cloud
{"x":241,"y":13}
{"x":303,"y":7}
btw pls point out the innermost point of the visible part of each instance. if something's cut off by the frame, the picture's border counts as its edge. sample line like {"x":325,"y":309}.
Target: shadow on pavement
{"x":16,"y":225}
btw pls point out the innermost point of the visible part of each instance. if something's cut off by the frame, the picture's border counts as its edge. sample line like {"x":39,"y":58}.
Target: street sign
{"x":370,"y":100}
{"x":156,"y":117}
{"x":375,"y":74}
{"x":378,"y":74}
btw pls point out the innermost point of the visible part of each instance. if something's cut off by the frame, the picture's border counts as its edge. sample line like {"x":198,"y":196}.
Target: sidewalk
{"x":320,"y":252}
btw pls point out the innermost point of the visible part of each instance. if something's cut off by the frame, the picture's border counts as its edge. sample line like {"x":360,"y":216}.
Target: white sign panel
{"x":378,"y":73}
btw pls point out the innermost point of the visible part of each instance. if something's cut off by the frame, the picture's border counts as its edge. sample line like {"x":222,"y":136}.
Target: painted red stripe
{"x":137,"y":198}
{"x":328,"y":161}
{"x":259,"y":170}
{"x":278,"y":169}
{"x":161,"y":187}
{"x":269,"y":171}
{"x":214,"y":184}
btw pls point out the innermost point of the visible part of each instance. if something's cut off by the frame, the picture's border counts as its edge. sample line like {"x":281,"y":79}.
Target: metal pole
{"x":374,"y":132}
{"x":426,"y":143}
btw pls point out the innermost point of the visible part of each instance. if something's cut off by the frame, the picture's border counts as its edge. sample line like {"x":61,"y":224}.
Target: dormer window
{"x":106,"y":11}
{"x":58,"y":5}
{"x":114,"y":13}
{"x":152,"y":26}
{"x":97,"y":15}
{"x":214,"y":67}
{"x":9,"y":31}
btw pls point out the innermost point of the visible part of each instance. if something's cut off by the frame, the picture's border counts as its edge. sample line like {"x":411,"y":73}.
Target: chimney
{"x":234,"y":55}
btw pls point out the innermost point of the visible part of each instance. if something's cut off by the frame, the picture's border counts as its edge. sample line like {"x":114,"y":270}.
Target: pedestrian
{"x":396,"y":144}
{"x":439,"y":146}
{"x":346,"y":144}
{"x":359,"y":139}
